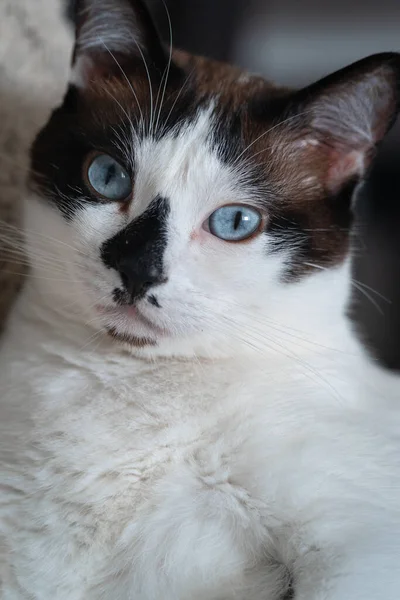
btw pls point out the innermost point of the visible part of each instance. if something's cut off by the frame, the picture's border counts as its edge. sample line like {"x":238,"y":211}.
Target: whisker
{"x":122,"y":145}
{"x":187,"y":79}
{"x":280,"y":124}
{"x":150,"y":129}
{"x":122,"y":108}
{"x":22,"y":255}
{"x":17,"y":260}
{"x":169,"y":63}
{"x":359,"y":286}
{"x":92,"y":338}
{"x":91,"y":306}
{"x":19,"y":274}
{"x":163,"y":78}
{"x":287,"y":331}
{"x":126,"y":77}
{"x":284,"y":351}
{"x":30,"y":232}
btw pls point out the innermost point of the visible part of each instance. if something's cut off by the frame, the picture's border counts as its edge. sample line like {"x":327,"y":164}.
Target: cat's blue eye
{"x":234,"y":222}
{"x":108,"y":178}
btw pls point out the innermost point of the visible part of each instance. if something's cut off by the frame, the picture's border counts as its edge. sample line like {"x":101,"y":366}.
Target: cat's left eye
{"x":107,"y":178}
{"x":234,"y":222}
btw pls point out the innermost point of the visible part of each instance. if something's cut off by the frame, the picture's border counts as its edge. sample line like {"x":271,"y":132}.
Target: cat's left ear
{"x":114,"y":35}
{"x":335,"y":124}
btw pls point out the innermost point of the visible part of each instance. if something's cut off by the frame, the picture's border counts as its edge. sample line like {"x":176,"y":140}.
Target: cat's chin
{"x":129,"y":326}
{"x":131,"y":340}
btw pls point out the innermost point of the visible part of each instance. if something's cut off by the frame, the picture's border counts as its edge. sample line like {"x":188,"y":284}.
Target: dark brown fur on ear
{"x":334,"y":125}
{"x":315,"y":146}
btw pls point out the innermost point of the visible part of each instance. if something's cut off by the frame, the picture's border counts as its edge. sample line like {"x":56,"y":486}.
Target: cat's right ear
{"x":113,"y":35}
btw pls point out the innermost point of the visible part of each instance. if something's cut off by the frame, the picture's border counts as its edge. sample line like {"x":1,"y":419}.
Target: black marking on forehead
{"x":137,"y":251}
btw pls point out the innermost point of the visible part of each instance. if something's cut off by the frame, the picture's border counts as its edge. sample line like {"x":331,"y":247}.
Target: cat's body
{"x":217,"y":479}
{"x":223,"y":436}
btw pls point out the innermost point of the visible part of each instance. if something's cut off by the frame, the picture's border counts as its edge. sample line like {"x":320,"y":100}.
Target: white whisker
{"x":127,"y":80}
{"x":357,"y":285}
{"x":280,"y":124}
{"x":150,"y":129}
{"x":187,"y":79}
{"x":277,"y":346}
{"x":168,"y":66}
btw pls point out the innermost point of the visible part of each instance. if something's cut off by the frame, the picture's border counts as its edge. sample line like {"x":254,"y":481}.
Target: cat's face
{"x":186,"y":201}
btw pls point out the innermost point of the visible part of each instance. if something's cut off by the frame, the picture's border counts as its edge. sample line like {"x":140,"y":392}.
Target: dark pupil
{"x":110,"y":174}
{"x":238,"y":219}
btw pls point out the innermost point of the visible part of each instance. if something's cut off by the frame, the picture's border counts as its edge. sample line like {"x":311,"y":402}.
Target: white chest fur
{"x":176,"y":480}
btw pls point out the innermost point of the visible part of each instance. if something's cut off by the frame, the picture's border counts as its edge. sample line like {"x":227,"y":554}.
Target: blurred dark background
{"x":295,"y":43}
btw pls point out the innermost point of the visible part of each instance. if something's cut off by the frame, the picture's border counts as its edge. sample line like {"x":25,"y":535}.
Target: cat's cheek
{"x":199,"y":236}
{"x":206,"y":240}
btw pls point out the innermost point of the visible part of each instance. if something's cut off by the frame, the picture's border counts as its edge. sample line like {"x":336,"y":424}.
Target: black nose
{"x":138,"y":278}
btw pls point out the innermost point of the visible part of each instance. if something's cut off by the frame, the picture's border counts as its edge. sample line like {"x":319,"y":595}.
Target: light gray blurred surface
{"x":294,"y":42}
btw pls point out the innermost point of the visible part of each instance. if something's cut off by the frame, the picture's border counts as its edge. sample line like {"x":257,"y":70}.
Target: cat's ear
{"x":111,"y":34}
{"x":343,"y":117}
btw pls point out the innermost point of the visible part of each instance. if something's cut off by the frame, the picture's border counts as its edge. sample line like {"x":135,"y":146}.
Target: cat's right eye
{"x":107,"y":178}
{"x":234,"y":222}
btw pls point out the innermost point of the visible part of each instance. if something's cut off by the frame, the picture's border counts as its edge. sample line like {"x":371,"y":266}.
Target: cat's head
{"x":185,"y":203}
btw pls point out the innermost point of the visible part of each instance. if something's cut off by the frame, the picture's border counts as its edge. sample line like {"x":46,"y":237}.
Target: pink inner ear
{"x":343,"y":166}
{"x":332,"y":164}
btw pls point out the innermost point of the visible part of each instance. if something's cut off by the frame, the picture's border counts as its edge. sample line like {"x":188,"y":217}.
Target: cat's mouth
{"x":131,"y":340}
{"x":128,"y":324}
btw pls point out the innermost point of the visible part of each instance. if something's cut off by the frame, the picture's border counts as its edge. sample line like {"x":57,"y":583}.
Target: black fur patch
{"x":60,"y":150}
{"x":317,"y":237}
{"x":78,"y":128}
{"x":137,"y":252}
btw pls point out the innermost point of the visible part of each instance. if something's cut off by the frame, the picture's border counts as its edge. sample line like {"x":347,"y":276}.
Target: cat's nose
{"x":139,"y":277}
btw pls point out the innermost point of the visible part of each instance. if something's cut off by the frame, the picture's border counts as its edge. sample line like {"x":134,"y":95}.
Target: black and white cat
{"x":185,"y":411}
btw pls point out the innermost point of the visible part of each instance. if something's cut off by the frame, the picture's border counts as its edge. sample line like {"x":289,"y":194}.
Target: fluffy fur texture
{"x":184,"y":417}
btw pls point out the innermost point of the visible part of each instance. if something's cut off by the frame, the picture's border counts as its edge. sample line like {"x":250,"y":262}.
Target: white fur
{"x":254,"y":440}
